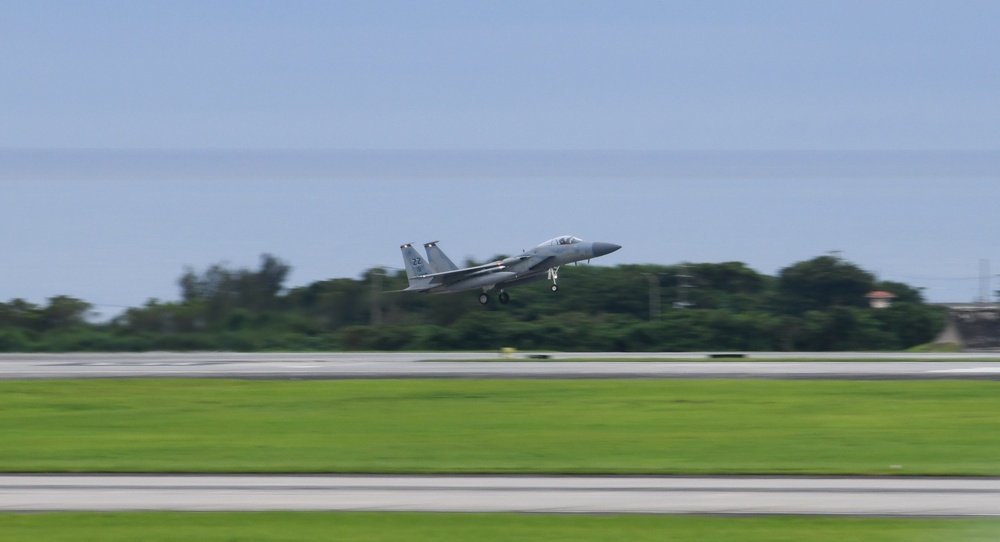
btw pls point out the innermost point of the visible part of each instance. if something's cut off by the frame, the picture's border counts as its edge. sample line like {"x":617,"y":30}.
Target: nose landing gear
{"x":553,"y":275}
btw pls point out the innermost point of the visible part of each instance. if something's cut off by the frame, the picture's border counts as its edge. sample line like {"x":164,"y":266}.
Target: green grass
{"x":373,"y":527}
{"x":502,"y":426}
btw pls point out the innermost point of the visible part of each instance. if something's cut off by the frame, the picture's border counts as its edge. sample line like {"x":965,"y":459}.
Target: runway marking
{"x":431,"y":365}
{"x":486,"y":488}
{"x":857,"y":496}
{"x":984,"y":370}
{"x":137,"y":363}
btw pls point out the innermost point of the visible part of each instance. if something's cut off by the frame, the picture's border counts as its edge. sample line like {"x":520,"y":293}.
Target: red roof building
{"x":880,"y":300}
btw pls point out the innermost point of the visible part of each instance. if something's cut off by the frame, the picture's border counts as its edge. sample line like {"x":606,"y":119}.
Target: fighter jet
{"x":437,"y":274}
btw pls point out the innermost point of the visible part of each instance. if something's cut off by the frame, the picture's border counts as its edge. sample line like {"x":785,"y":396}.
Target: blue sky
{"x":891,"y":74}
{"x":416,"y":85}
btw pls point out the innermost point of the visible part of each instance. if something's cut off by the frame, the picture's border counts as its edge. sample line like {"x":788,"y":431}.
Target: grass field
{"x":374,"y":527}
{"x":502,"y":426}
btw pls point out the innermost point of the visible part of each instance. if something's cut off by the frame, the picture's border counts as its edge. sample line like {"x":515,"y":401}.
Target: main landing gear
{"x":503,"y":298}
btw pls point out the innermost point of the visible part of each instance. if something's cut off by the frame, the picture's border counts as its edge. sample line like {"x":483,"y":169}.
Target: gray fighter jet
{"x":437,"y":274}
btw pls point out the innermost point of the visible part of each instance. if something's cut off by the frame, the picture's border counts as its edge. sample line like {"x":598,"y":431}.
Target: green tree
{"x":14,"y":340}
{"x":19,"y":313}
{"x":911,"y":323}
{"x":64,"y":312}
{"x":904,"y":292}
{"x":817,"y":304}
{"x":822,"y":283}
{"x":223,"y":290}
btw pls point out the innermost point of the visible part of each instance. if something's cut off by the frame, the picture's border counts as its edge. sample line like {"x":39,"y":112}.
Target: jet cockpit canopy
{"x":564,"y":240}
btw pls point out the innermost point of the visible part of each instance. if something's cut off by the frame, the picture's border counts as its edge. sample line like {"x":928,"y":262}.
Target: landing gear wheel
{"x":555,"y":287}
{"x":504,"y":297}
{"x":484,"y":299}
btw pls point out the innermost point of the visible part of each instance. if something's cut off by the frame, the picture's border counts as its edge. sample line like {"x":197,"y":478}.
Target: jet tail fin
{"x":413,"y":262}
{"x":437,"y":260}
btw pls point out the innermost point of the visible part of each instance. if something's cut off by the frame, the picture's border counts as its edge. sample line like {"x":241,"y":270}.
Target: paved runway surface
{"x":483,"y":365}
{"x":935,"y":497}
{"x":556,"y":494}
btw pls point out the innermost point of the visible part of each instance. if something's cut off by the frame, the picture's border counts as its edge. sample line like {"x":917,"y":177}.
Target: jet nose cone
{"x":600,"y":249}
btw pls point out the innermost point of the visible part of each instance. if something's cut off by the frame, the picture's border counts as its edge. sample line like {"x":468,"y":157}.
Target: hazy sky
{"x":505,"y":76}
{"x":895,"y":74}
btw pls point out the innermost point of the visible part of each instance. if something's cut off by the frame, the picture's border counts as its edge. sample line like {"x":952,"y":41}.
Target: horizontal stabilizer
{"x":420,"y":284}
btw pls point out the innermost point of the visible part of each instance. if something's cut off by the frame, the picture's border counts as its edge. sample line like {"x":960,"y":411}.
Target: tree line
{"x":814,"y":305}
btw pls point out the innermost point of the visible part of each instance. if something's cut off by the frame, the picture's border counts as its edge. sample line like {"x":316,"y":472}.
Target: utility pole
{"x":984,"y":281}
{"x":683,"y":285}
{"x":654,"y":294}
{"x":376,"y":298}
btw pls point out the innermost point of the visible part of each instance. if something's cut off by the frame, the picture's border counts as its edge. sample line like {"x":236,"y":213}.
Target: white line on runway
{"x":418,"y":365}
{"x":562,"y":494}
{"x":968,"y":370}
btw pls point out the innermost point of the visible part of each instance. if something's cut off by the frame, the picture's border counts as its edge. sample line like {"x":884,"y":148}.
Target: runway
{"x":925,"y":497}
{"x":303,"y":366}
{"x":744,"y":495}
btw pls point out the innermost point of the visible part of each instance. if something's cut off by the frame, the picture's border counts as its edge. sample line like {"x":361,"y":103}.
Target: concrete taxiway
{"x":487,"y":365}
{"x":752,"y":495}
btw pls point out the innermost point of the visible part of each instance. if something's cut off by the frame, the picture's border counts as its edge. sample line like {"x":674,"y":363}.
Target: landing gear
{"x":484,"y":299}
{"x":555,"y":287}
{"x":504,"y":297}
{"x":553,"y":275}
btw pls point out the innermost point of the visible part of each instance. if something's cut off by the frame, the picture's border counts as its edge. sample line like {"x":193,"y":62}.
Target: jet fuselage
{"x":439,"y":275}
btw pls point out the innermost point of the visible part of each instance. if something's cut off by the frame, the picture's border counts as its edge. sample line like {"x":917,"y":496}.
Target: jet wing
{"x":431,"y":281}
{"x":465,"y":272}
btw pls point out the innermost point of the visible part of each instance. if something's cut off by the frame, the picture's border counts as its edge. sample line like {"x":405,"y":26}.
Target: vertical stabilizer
{"x":437,"y":260}
{"x":413,"y":262}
